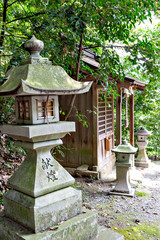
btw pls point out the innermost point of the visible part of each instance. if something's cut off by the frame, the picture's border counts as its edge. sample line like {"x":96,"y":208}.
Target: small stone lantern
{"x":123,"y":164}
{"x":142,"y":159}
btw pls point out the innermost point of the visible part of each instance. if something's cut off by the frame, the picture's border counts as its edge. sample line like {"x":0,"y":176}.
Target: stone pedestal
{"x":123,"y":186}
{"x":142,"y":159}
{"x":81,"y":227}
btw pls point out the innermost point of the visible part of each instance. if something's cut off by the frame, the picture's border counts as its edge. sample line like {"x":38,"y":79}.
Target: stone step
{"x":108,"y":234}
{"x":82,"y":227}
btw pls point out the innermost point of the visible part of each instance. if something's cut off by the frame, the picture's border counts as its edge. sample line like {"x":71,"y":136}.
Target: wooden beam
{"x":131,"y":118}
{"x":119,"y":117}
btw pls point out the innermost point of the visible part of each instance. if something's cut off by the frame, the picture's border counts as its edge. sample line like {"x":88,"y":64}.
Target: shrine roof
{"x":90,"y":58}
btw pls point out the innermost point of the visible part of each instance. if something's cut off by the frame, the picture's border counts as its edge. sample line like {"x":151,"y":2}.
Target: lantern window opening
{"x":23,"y":110}
{"x":45,"y":109}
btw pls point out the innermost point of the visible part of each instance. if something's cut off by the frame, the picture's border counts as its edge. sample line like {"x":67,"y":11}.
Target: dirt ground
{"x":136,"y":218}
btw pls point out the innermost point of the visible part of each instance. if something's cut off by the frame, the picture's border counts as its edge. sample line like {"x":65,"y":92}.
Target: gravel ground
{"x":134,"y":215}
{"x":123,"y":212}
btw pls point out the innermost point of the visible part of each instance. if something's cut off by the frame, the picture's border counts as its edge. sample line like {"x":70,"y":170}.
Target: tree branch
{"x":108,"y":46}
{"x":30,"y":16}
{"x":118,"y":46}
{"x":9,"y":5}
{"x":84,"y":48}
{"x":77,"y":76}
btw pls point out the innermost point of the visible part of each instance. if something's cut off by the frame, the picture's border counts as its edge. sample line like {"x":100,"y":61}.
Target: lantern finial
{"x":34,"y":47}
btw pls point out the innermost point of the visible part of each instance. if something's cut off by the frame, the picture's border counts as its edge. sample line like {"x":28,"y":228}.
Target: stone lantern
{"x":123,"y":164}
{"x":142,"y":159}
{"x":41,"y":194}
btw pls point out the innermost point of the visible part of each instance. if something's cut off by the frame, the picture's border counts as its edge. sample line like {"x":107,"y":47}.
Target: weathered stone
{"x":42,"y":212}
{"x":29,"y":79}
{"x":123,"y":164}
{"x":40,"y":173}
{"x":107,"y":234}
{"x":38,"y":133}
{"x":83,"y":167}
{"x":123,"y":184}
{"x":81,"y":227}
{"x":142,"y":159}
{"x":36,"y":112}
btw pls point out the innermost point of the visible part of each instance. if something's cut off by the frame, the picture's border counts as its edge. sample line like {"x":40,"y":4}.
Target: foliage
{"x":7,"y":110}
{"x":146,"y":68}
{"x":82,"y":119}
{"x":63,"y":24}
{"x":8,"y":148}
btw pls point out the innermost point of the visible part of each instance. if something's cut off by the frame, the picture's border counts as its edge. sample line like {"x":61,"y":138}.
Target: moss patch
{"x":141,"y":194}
{"x":140,"y":232}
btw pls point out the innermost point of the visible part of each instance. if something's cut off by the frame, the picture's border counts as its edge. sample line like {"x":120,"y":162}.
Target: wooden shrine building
{"x":88,"y":152}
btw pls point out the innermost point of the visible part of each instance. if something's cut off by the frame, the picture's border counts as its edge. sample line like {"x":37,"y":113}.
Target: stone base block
{"x":129,"y":194}
{"x":123,"y":177}
{"x":108,"y":234}
{"x":81,"y":227}
{"x":42,"y":212}
{"x":142,"y":164}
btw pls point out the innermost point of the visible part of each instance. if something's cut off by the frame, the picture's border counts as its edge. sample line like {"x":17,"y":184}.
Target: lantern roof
{"x":142,"y":132}
{"x":125,"y":147}
{"x":37,"y":76}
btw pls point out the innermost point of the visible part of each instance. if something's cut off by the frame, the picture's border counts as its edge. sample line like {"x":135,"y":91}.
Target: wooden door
{"x":105,"y":127}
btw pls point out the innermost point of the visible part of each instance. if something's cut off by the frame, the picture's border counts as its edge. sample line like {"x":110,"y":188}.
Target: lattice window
{"x":45,"y":110}
{"x":26,"y":110}
{"x":105,"y":114}
{"x":23,"y":110}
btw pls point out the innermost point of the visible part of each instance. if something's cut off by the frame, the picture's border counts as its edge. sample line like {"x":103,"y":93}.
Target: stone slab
{"x":107,"y":234}
{"x":37,"y":133}
{"x":81,"y":227}
{"x":123,"y":164}
{"x":142,"y":164}
{"x":42,"y":212}
{"x":83,"y":167}
{"x":130,"y":194}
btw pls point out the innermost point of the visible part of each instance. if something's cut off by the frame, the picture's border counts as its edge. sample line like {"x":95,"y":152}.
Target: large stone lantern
{"x":41,"y":194}
{"x":142,"y":159}
{"x":123,"y":164}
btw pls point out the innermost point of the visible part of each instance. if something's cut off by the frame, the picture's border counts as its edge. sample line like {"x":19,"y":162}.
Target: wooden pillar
{"x":119,"y":117}
{"x":126,"y":111}
{"x":131,"y":118}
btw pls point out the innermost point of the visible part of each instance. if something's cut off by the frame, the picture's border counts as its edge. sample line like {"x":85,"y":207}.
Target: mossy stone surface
{"x":81,"y":227}
{"x":43,"y":212}
{"x":33,"y":79}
